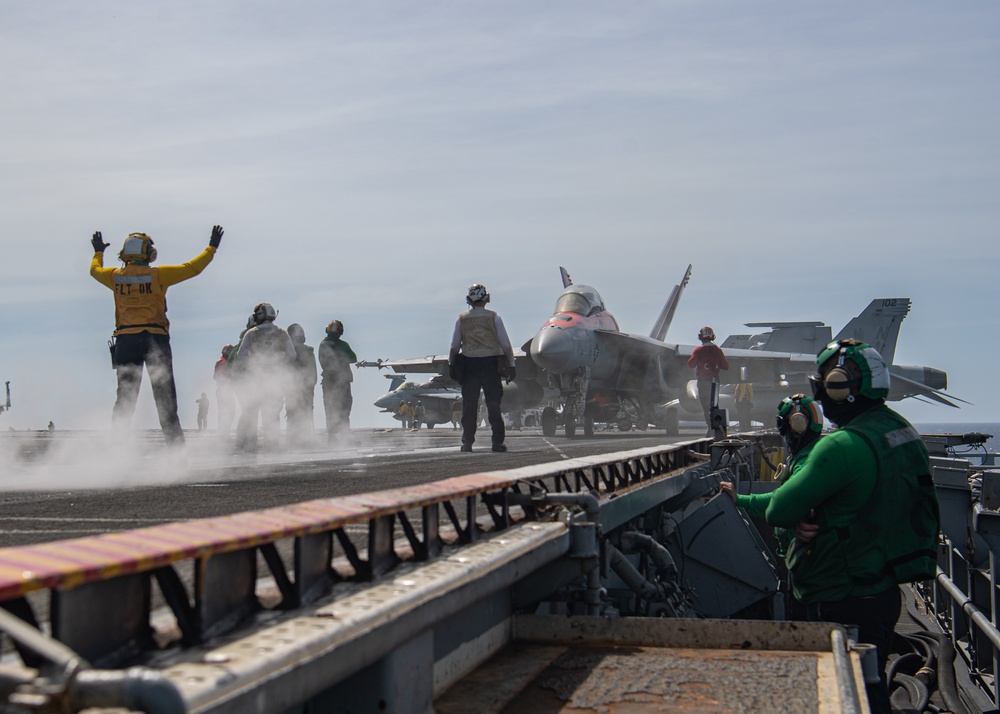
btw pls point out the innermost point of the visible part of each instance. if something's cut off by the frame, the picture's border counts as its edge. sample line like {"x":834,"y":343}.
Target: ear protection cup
{"x":798,"y":422}
{"x":853,"y":369}
{"x":839,"y":376}
{"x":797,"y":415}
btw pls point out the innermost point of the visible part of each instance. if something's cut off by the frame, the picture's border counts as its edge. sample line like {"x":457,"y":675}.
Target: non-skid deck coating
{"x":632,"y":665}
{"x":537,"y":679}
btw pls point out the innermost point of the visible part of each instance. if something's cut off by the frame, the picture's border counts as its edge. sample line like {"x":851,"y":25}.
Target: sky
{"x":369,"y":161}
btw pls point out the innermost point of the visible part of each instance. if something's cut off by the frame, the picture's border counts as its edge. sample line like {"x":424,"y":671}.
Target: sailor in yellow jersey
{"x":142,"y":334}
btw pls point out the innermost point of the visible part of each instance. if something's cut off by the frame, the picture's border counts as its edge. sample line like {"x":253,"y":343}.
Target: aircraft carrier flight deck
{"x":72,"y":484}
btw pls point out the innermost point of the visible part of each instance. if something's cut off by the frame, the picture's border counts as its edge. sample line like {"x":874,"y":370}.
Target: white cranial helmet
{"x":477,"y":293}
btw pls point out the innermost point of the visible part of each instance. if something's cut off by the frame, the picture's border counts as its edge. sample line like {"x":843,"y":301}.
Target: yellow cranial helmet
{"x":139,"y":248}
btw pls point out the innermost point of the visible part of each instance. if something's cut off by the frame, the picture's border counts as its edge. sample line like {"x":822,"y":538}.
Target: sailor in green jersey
{"x":800,"y":423}
{"x":829,"y":487}
{"x":876,"y":517}
{"x":335,"y":360}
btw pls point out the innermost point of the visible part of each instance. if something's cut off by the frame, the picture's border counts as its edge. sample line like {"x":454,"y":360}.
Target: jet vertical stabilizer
{"x":566,"y":280}
{"x":659,"y":331}
{"x":878,"y":325}
{"x":395,"y":380}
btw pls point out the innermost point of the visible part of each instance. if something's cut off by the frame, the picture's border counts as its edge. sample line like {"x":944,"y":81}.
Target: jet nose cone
{"x":384,"y":402}
{"x":553,"y":349}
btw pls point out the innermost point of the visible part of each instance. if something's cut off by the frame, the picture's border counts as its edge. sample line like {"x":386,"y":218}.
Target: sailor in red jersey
{"x":707,"y":360}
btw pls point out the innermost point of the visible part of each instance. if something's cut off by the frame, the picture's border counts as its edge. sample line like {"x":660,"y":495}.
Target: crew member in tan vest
{"x":142,"y":331}
{"x":481,"y":355}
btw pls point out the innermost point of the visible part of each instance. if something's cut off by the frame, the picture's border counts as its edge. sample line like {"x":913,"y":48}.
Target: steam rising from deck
{"x":79,"y":460}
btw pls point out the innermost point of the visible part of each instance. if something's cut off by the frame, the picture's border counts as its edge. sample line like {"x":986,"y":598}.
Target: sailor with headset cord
{"x":142,"y":331}
{"x":707,"y":360}
{"x":861,"y":502}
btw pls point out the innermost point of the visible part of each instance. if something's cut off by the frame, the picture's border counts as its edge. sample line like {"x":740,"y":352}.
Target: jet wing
{"x":788,"y":362}
{"x":431,"y":364}
{"x":636,"y":364}
{"x":762,"y":366}
{"x":633,"y":346}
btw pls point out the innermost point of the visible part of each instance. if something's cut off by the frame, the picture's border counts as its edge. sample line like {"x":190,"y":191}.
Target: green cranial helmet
{"x":849,"y":367}
{"x":798,"y":414}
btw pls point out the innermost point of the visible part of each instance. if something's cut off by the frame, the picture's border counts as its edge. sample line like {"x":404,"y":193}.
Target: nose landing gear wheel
{"x":673,"y":422}
{"x":570,"y":423}
{"x":549,"y":421}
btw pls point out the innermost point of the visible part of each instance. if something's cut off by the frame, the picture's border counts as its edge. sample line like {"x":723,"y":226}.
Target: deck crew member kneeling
{"x":480,"y":356}
{"x":141,"y":325}
{"x":862,"y":505}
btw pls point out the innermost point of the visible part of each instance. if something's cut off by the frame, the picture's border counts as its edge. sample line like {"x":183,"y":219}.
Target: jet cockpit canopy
{"x":581,"y":299}
{"x":405,"y":386}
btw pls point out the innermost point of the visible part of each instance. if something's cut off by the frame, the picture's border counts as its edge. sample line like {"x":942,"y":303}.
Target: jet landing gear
{"x":588,"y":420}
{"x":672,"y":422}
{"x":549,"y":420}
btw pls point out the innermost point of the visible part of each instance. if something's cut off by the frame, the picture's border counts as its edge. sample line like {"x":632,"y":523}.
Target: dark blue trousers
{"x":481,"y":373}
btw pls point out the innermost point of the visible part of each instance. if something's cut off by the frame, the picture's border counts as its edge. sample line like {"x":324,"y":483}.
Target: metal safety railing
{"x":97,"y":594}
{"x":964,"y":599}
{"x":964,"y":602}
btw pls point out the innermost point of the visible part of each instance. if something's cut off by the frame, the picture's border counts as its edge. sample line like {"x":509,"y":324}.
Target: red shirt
{"x":221,"y":369}
{"x":707,"y":361}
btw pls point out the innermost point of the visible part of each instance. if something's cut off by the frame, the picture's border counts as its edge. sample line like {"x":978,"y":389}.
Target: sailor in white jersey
{"x":481,"y":356}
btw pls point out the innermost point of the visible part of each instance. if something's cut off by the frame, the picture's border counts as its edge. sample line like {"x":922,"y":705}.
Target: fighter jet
{"x":606,"y":375}
{"x":878,"y":325}
{"x":437,"y":397}
{"x":523,"y":393}
{"x":6,"y":405}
